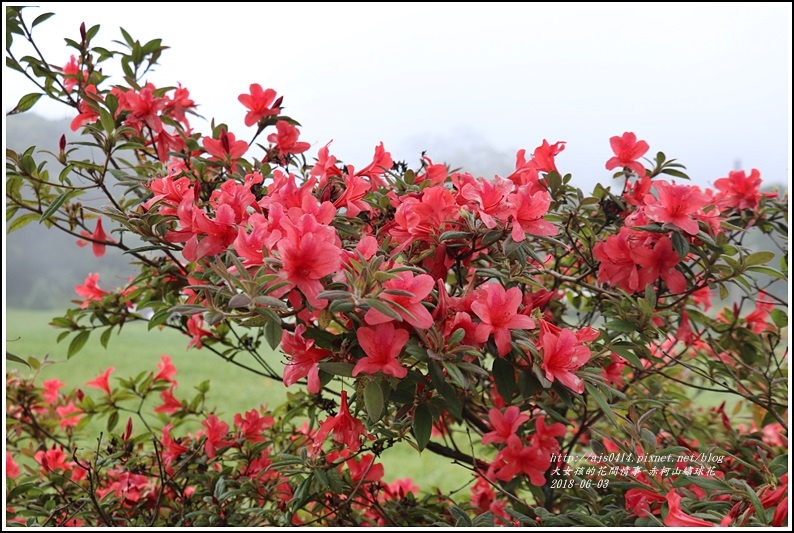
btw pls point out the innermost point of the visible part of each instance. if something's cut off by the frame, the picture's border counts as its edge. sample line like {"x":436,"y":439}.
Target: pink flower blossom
{"x":346,"y":429}
{"x":260,"y":104}
{"x":504,"y":425}
{"x":498,"y":311}
{"x":382,"y":345}
{"x":627,"y":151}
{"x":102,"y":381}
{"x":677,"y":205}
{"x":563,"y":354}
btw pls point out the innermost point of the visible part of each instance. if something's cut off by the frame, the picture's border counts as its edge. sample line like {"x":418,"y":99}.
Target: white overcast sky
{"x":709,"y":84}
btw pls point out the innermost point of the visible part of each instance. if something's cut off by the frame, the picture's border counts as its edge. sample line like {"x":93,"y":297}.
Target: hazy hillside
{"x":43,"y":266}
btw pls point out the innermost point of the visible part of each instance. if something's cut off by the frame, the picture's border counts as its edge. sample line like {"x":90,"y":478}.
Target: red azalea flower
{"x":738,"y":190}
{"x":488,"y":198}
{"x":101,"y":382}
{"x":304,"y":359}
{"x":544,"y":155}
{"x":194,"y":328}
{"x":286,"y":139}
{"x":215,"y":430}
{"x":167,"y":369}
{"x":563,"y":354}
{"x":352,"y":199}
{"x":641,"y":502}
{"x":515,"y":459}
{"x":504,"y":425}
{"x":87,"y":112}
{"x":383,"y":346}
{"x":259,"y":104}
{"x":71,"y":75}
{"x":52,"y":459}
{"x":661,"y":260}
{"x":226,"y":148}
{"x":381,"y":162}
{"x":527,"y":211}
{"x":171,"y":448}
{"x":346,"y":429}
{"x":144,"y":109}
{"x":627,"y":150}
{"x":251,"y":425}
{"x":171,"y":191}
{"x":307,"y":257}
{"x":170,"y":404}
{"x":51,"y":387}
{"x":781,"y":513}
{"x":365,"y":469}
{"x":179,"y":103}
{"x":414,"y":312}
{"x":12,"y":468}
{"x":217,"y":234}
{"x":678,"y":518}
{"x":99,"y":239}
{"x":546,"y":436}
{"x":617,"y":265}
{"x":677,"y":205}
{"x":66,"y":412}
{"x":498,"y":311}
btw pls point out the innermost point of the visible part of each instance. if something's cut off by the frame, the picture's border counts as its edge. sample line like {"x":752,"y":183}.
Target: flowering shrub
{"x":548,"y":341}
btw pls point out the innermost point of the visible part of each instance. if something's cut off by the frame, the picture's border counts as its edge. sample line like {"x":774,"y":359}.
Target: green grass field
{"x":232,"y":389}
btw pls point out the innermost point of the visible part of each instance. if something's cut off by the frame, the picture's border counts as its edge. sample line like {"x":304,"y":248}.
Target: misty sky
{"x":709,"y":84}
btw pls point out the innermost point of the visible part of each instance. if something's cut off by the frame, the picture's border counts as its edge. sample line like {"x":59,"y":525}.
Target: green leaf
{"x":239,"y":300}
{"x":25,"y":103}
{"x":20,"y":489}
{"x":708,"y":483}
{"x":113,"y":419}
{"x":626,"y":351}
{"x":769,"y":271}
{"x":451,"y":235}
{"x":91,"y":32}
{"x":105,"y":337}
{"x":56,"y":204}
{"x":334,"y":295}
{"x":273,"y":333}
{"x":270,"y":301}
{"x":16,"y":359}
{"x":21,"y":221}
{"x":779,"y":317}
{"x":779,"y":465}
{"x":159,"y":318}
{"x":650,"y":296}
{"x":460,"y":515}
{"x":676,"y":173}
{"x":758,"y":258}
{"x":457,"y":376}
{"x":127,"y":37}
{"x":621,"y":325}
{"x":680,"y":245}
{"x":338,"y":369}
{"x":759,"y":508}
{"x":41,"y":18}
{"x":373,"y":400}
{"x":505,"y":377}
{"x":601,"y":400}
{"x":456,"y":337}
{"x":77,"y":343}
{"x":383,"y":308}
{"x":423,"y":426}
{"x":108,"y":124}
{"x":440,"y":383}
